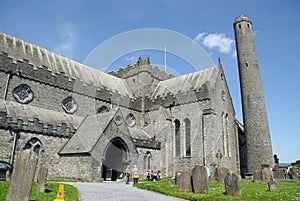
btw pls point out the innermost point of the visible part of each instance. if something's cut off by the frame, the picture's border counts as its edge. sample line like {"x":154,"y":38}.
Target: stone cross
{"x":22,"y":177}
{"x":221,"y":173}
{"x":219,"y":156}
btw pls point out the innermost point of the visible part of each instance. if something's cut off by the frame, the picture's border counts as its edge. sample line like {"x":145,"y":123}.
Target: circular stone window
{"x":130,"y":120}
{"x":69,"y":105}
{"x":23,"y":94}
{"x":118,"y":119}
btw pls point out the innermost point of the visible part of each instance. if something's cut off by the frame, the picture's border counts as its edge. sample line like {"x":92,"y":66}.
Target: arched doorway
{"x":115,"y":160}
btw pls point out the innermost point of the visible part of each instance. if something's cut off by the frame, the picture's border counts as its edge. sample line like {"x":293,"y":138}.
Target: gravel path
{"x":116,"y":191}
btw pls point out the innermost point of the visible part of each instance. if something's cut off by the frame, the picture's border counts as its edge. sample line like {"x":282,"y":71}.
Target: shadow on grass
{"x":47,"y":191}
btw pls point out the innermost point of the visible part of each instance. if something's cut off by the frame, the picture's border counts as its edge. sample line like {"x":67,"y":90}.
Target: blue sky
{"x":74,"y":28}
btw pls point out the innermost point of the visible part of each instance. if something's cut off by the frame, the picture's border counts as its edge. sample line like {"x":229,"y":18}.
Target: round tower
{"x":256,"y":127}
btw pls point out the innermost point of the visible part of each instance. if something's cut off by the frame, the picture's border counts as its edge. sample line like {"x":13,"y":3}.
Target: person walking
{"x":289,"y":172}
{"x":127,"y":175}
{"x":135,"y":175}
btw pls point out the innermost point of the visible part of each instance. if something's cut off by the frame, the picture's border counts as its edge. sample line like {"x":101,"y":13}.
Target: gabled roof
{"x":88,"y":133}
{"x":19,"y":50}
{"x":181,"y":84}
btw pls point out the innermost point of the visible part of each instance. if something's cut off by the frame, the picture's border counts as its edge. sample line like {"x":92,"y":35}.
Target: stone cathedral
{"x":89,"y":125}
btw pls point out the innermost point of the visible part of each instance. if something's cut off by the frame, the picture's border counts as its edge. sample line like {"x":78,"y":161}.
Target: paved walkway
{"x":116,"y":191}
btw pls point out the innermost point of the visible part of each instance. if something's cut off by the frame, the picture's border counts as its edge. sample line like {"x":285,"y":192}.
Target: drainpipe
{"x":7,"y":113}
{"x":5,"y":92}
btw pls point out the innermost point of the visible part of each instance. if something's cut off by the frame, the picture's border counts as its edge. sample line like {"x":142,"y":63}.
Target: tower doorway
{"x":114,"y":163}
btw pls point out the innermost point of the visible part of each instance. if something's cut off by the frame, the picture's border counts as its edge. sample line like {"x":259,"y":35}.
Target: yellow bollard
{"x":60,"y":194}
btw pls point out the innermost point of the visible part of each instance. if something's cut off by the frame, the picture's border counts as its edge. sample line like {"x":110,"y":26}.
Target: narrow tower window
{"x":246,"y":64}
{"x":187,"y":137}
{"x":224,"y":132}
{"x":177,"y":137}
{"x":147,"y":161}
{"x":240,"y":26}
{"x":228,"y":137}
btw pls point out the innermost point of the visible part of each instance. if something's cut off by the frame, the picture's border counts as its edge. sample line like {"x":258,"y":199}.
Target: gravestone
{"x":232,"y":184}
{"x":171,"y":181}
{"x":278,"y":173}
{"x":220,"y":174}
{"x":22,"y":176}
{"x":200,"y":182}
{"x":257,"y":175}
{"x":184,"y":182}
{"x":7,"y":176}
{"x":273,"y":186}
{"x":178,"y":173}
{"x":265,"y":175}
{"x":41,"y":178}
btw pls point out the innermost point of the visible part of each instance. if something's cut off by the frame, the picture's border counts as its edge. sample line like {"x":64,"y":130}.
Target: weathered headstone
{"x":171,"y":181}
{"x":265,"y":175}
{"x":178,"y":173}
{"x":184,"y":182}
{"x":200,"y":180}
{"x":273,"y":186}
{"x":232,"y":184}
{"x":7,"y":176}
{"x":278,"y":173}
{"x":22,"y":176}
{"x":41,"y":178}
{"x":220,"y":174}
{"x":257,"y":175}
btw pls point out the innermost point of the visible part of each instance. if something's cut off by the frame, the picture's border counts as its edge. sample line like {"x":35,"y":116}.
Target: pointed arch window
{"x":147,"y":161}
{"x":102,"y":109}
{"x":226,"y":137}
{"x":188,"y":145}
{"x":34,"y":145}
{"x":177,"y":138}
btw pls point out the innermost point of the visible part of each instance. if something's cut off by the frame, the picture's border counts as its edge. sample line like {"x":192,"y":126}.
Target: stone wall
{"x":77,"y":167}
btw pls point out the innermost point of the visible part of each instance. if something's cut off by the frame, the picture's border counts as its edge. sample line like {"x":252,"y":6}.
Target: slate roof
{"x":88,"y":133}
{"x":28,"y":112}
{"x":192,"y":81}
{"x":57,"y":64}
{"x":18,"y":49}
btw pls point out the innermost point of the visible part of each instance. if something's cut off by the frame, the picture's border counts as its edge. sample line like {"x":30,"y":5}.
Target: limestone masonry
{"x":90,"y":125}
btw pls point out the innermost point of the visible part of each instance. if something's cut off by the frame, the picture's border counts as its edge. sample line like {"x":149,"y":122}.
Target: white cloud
{"x":217,"y":41}
{"x":69,"y":39}
{"x":131,"y":59}
{"x":234,"y":54}
{"x":199,"y":36}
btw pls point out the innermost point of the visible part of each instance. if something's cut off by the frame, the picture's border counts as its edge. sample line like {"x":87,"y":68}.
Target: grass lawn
{"x":70,"y":194}
{"x":250,"y":191}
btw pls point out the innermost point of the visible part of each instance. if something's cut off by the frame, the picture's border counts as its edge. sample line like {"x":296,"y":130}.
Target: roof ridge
{"x":19,"y":49}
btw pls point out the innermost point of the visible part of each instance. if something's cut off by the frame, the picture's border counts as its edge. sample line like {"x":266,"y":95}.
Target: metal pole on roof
{"x":165,"y":58}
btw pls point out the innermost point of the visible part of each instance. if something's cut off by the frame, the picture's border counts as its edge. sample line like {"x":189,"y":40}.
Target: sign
{"x":60,"y":194}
